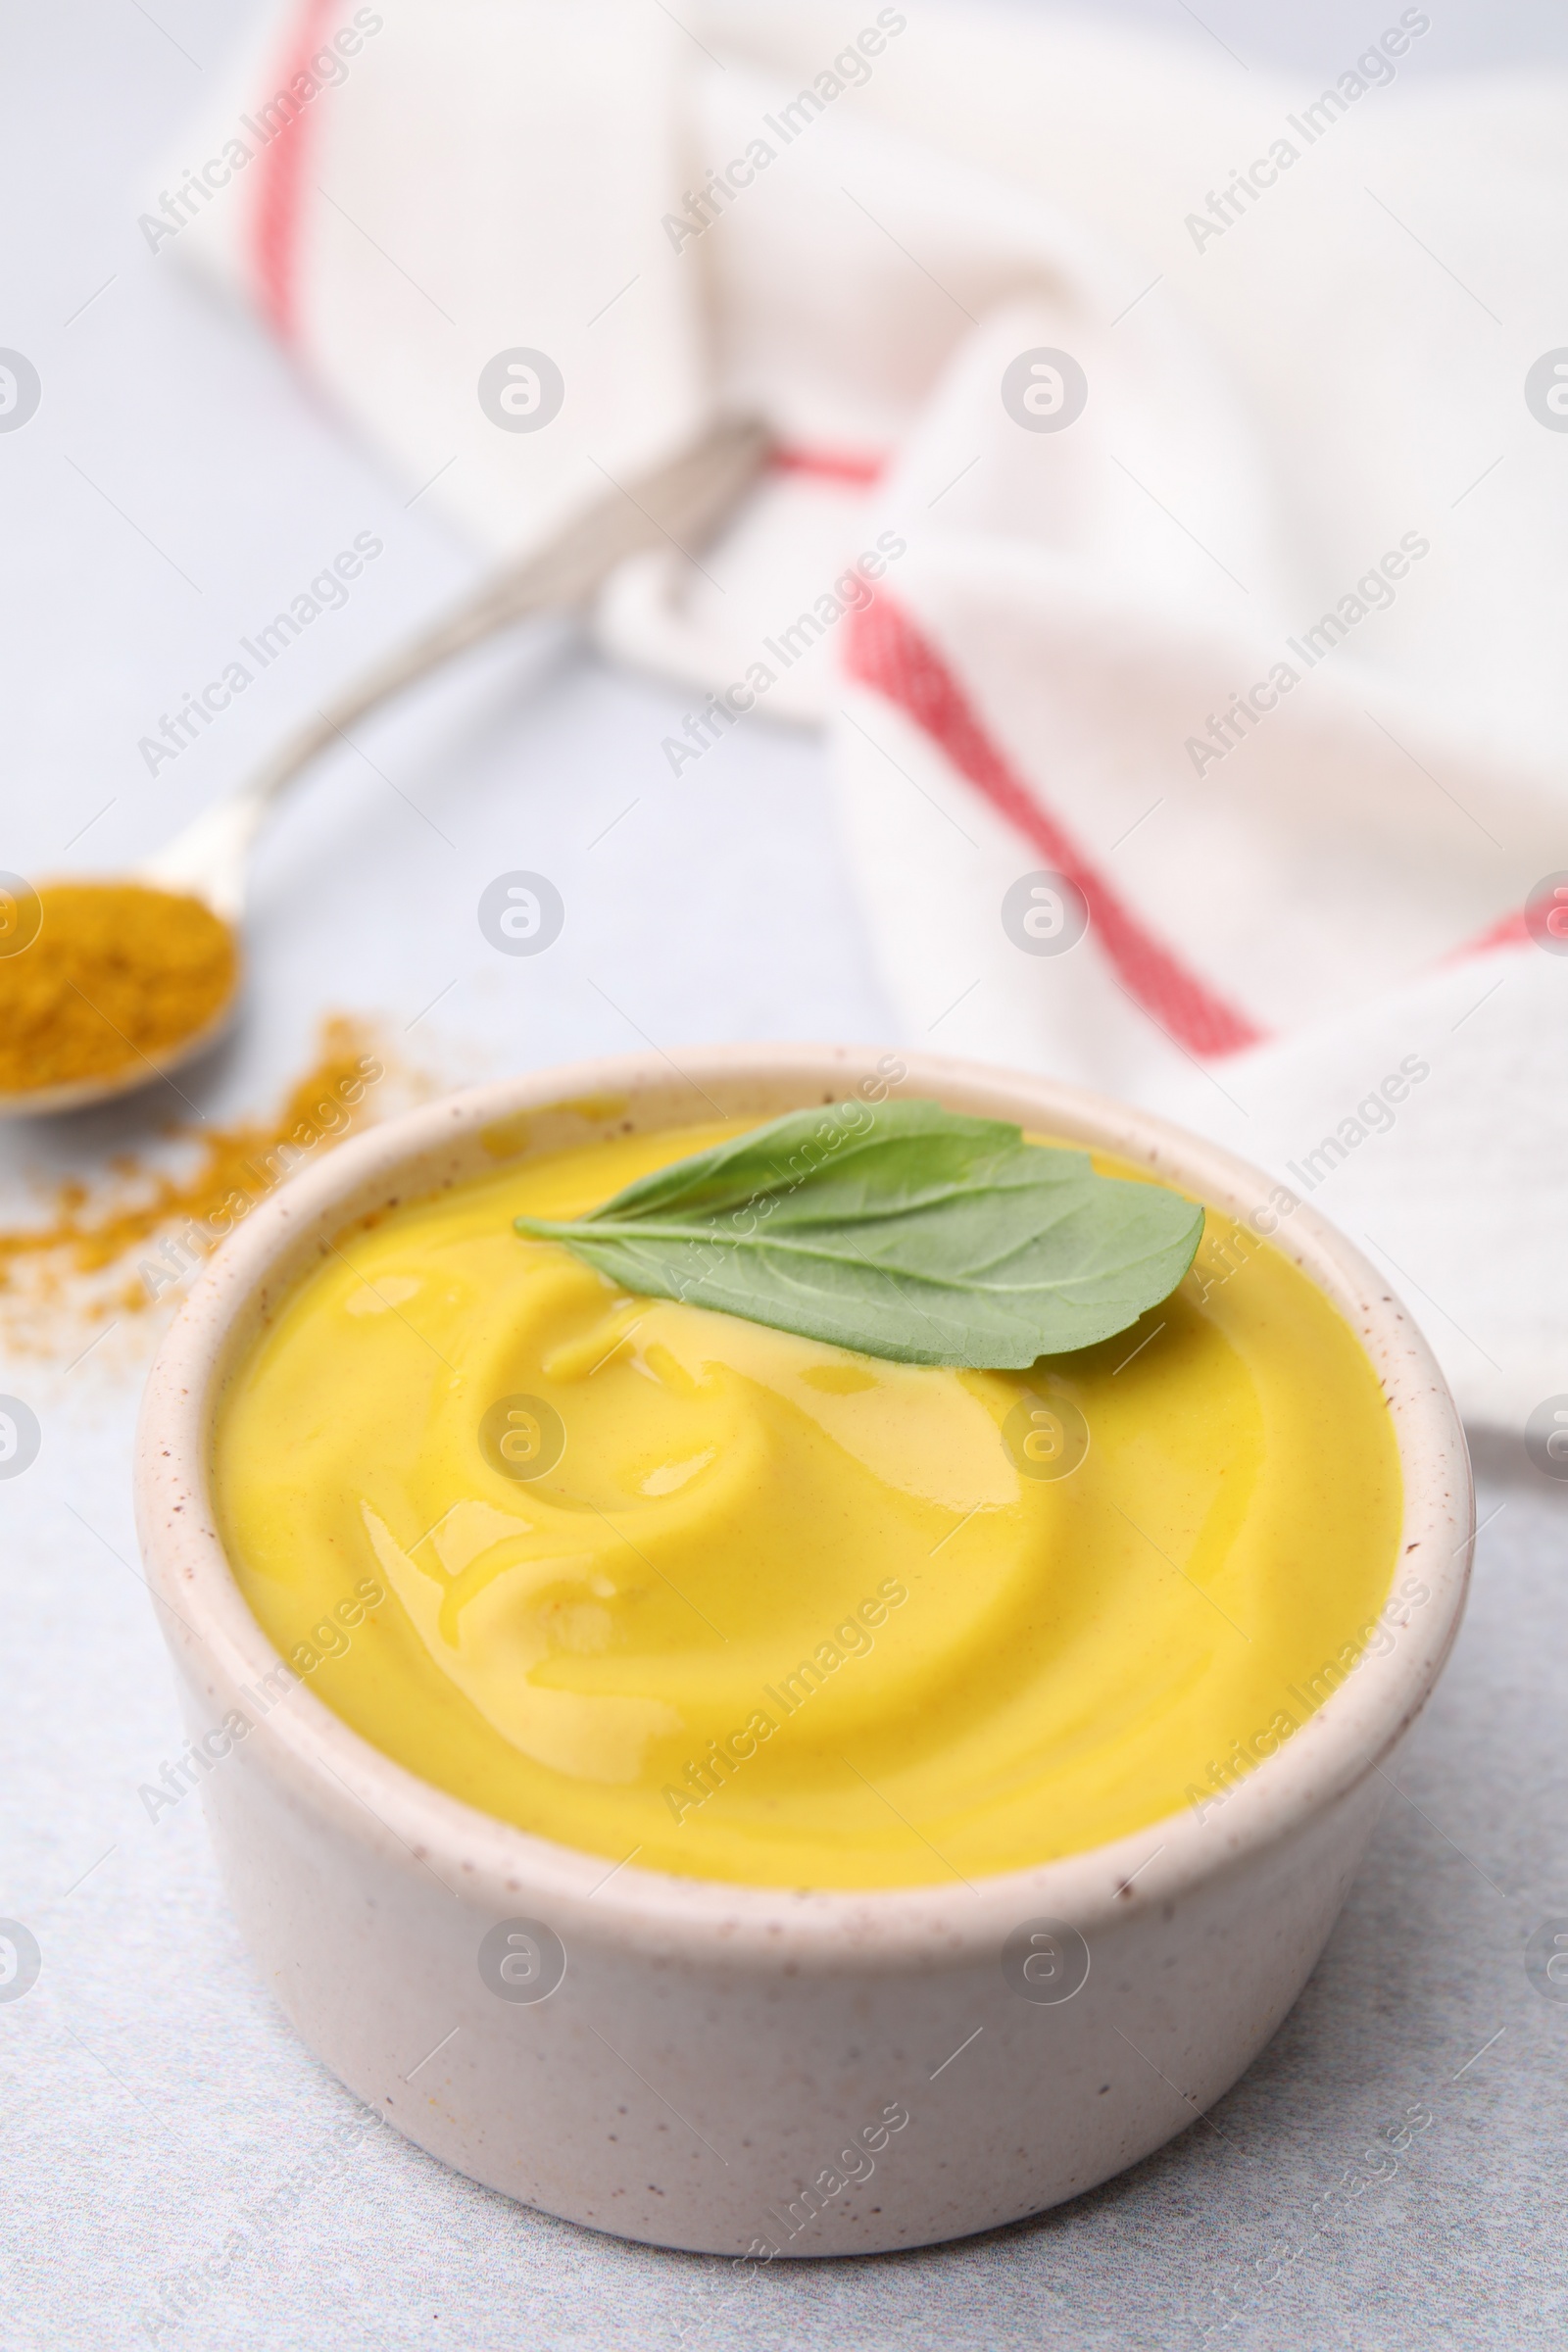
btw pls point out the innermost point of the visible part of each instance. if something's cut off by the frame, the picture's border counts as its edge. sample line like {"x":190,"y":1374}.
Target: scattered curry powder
{"x":114,"y":973}
{"x":176,"y":1220}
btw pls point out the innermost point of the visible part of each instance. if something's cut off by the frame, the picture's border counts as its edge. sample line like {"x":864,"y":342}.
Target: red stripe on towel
{"x":1513,"y":931}
{"x":886,"y":652}
{"x":856,"y":467}
{"x":275,"y":223}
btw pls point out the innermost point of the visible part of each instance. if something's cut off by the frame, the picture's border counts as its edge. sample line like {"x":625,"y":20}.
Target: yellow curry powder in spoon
{"x":115,"y":972}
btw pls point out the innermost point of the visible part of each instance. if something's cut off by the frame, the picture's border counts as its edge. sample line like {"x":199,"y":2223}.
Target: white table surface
{"x":176,"y":485}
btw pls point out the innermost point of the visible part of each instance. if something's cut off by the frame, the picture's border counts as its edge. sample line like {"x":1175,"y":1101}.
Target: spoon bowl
{"x":84,"y":1093}
{"x":148,"y":954}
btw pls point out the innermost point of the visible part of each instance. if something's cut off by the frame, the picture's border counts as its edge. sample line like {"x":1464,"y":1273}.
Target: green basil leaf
{"x":899,"y":1229}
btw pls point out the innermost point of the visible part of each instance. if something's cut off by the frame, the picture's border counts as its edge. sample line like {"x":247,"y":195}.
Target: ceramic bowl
{"x":733,"y":2069}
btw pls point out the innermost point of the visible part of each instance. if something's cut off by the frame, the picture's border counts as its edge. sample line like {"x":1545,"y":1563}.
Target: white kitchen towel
{"x":1167,"y":522}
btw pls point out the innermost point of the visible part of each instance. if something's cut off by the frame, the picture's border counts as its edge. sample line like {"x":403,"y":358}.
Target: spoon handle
{"x":679,"y":501}
{"x":679,"y":504}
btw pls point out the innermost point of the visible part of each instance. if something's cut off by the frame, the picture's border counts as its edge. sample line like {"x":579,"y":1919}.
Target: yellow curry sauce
{"x":650,"y":1581}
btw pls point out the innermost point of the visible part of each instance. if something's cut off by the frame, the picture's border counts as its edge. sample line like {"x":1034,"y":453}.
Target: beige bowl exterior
{"x":718,"y":2062}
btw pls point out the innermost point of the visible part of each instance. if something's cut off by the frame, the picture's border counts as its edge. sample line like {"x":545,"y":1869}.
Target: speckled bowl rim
{"x":319,"y":1764}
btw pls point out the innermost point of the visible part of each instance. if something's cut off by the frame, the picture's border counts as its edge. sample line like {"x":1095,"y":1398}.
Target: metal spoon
{"x":680,"y":503}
